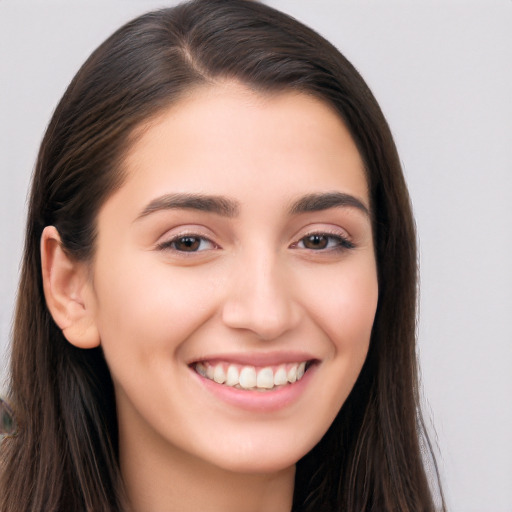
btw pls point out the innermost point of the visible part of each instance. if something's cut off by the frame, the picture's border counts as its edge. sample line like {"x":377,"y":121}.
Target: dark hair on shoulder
{"x":65,"y":454}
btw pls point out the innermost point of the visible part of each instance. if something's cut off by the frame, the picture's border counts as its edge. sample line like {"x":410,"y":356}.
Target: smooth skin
{"x":175,"y":280}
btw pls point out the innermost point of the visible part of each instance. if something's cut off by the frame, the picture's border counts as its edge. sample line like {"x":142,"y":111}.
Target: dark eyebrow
{"x":205,"y":203}
{"x":324,"y":201}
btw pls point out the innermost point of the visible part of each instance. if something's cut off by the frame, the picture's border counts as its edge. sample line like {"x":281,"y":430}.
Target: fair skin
{"x":278,"y":276}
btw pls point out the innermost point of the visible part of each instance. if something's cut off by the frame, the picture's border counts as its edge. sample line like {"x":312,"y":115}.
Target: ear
{"x":68,"y":292}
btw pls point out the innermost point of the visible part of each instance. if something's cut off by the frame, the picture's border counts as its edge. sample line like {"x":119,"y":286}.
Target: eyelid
{"x":165,"y":242}
{"x":345,"y":239}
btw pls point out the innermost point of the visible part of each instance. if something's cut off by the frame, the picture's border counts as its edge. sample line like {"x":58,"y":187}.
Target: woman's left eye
{"x":188,"y":243}
{"x":323,"y":241}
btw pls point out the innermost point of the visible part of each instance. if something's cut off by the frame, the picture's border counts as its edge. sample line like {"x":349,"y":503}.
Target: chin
{"x":264,"y":457}
{"x":257,"y":465}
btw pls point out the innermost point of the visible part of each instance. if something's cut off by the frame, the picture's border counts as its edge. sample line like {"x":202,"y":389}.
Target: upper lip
{"x":257,"y":358}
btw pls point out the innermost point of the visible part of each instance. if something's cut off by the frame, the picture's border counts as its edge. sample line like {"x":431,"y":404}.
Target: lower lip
{"x":258,"y":401}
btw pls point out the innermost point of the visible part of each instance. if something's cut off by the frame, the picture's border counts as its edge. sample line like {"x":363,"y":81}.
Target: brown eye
{"x":324,"y":242}
{"x":187,"y":243}
{"x":316,"y":242}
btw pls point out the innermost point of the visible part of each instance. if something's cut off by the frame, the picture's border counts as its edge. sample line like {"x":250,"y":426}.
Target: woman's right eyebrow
{"x":206,"y":203}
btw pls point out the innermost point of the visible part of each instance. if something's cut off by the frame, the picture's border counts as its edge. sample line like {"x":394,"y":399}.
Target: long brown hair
{"x":65,"y":454}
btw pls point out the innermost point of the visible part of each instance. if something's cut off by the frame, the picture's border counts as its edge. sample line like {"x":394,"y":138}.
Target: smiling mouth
{"x":248,"y":377}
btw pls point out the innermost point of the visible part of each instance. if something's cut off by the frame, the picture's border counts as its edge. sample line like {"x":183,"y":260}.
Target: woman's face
{"x":237,"y":256}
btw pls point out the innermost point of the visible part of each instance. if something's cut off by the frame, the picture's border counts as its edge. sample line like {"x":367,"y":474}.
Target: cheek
{"x":343,"y":303}
{"x":152,"y":307}
{"x":345,"y":311}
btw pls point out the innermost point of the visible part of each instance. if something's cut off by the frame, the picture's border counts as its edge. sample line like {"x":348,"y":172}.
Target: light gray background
{"x":442,"y":73}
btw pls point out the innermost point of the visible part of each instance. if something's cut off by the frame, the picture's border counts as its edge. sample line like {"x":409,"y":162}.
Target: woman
{"x":218,"y":294}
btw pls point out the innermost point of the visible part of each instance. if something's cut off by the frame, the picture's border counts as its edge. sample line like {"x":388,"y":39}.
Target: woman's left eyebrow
{"x":205,"y":203}
{"x":325,"y":200}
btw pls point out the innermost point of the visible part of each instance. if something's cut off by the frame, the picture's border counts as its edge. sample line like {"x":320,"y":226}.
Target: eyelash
{"x":171,"y":244}
{"x":335,"y":242}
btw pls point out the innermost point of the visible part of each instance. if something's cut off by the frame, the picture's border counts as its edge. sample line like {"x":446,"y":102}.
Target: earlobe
{"x":67,"y":291}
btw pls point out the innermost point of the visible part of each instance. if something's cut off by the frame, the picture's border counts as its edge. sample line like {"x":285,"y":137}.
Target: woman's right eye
{"x":188,"y":243}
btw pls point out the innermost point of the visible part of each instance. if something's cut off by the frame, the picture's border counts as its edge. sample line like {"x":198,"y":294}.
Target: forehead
{"x":224,"y":138}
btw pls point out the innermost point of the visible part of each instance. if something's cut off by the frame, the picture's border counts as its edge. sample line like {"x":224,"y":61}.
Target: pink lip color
{"x":258,"y":401}
{"x":259,"y":359}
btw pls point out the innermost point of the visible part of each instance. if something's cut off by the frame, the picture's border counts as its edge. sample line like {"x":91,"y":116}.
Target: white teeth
{"x":248,"y":377}
{"x":219,"y":376}
{"x":232,"y":377}
{"x":292,"y":374}
{"x":280,"y":377}
{"x":265,"y":378}
{"x":300,"y":370}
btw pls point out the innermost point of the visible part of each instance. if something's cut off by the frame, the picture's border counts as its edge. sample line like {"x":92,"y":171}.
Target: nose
{"x":260,"y":299}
